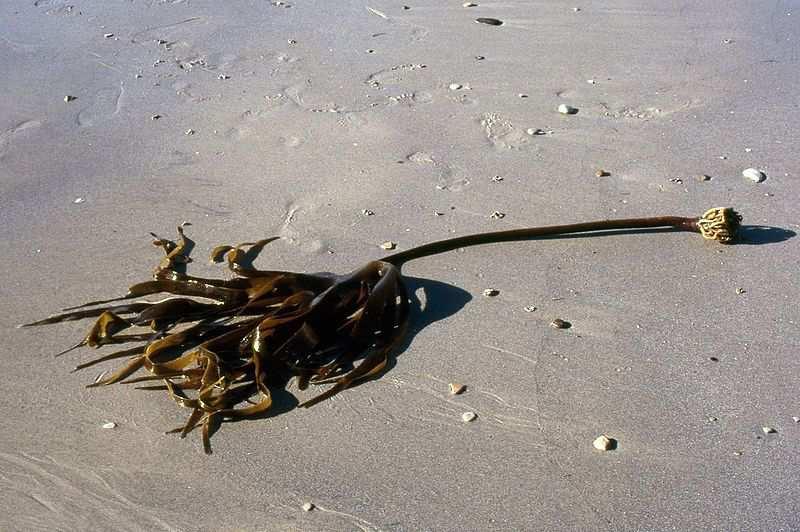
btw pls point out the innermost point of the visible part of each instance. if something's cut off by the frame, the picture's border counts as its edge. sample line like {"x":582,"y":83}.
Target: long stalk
{"x":716,"y":224}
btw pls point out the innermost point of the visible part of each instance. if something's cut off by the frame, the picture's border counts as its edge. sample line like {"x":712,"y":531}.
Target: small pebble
{"x":470,"y":4}
{"x":467,"y":417}
{"x":69,"y":98}
{"x":455,"y":86}
{"x":291,"y":41}
{"x":576,"y":10}
{"x":712,"y":419}
{"x":491,"y":292}
{"x":108,"y":35}
{"x":307,"y":507}
{"x":740,"y":291}
{"x":737,"y":453}
{"x":604,"y":443}
{"x":367,"y":212}
{"x":565,"y":109}
{"x":535,"y":131}
{"x":223,"y":76}
{"x":591,"y":81}
{"x":703,"y":177}
{"x":713,"y":359}
{"x":497,"y":178}
{"x":388,"y":245}
{"x":558,"y":323}
{"x":109,"y":425}
{"x":796,"y":419}
{"x":530,"y":308}
{"x":497,"y":215}
{"x":479,"y":58}
{"x":189,"y":132}
{"x":78,"y":200}
{"x":155,"y":117}
{"x":754,"y":175}
{"x":602,"y":173}
{"x":456,"y":388}
{"x":489,"y":21}
{"x":521,"y":95}
{"x":768,"y":430}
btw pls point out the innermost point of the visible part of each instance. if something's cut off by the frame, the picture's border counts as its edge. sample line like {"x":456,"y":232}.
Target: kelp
{"x":220,"y":347}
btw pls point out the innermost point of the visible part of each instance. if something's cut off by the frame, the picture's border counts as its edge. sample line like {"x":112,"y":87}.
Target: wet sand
{"x":255,"y":119}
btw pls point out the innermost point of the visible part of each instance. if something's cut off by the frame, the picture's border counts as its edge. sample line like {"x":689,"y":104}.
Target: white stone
{"x":468,"y":417}
{"x":604,"y":443}
{"x":565,"y":109}
{"x":109,"y":425}
{"x":454,"y":86}
{"x":307,"y":507}
{"x":754,"y":174}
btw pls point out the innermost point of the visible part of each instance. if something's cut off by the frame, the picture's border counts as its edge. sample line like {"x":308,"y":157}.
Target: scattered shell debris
{"x":604,"y":443}
{"x":456,"y":388}
{"x":491,"y":292}
{"x":69,"y":98}
{"x":530,"y":308}
{"x":468,"y":417}
{"x":307,"y":507}
{"x":78,"y":200}
{"x":388,"y":245}
{"x":754,"y":174}
{"x":367,"y":212}
{"x":109,"y":425}
{"x":558,"y":323}
{"x":489,"y":21}
{"x":497,"y":215}
{"x":602,"y":173}
{"x":565,"y":109}
{"x":768,"y":430}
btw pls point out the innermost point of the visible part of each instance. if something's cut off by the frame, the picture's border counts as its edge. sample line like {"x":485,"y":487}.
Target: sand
{"x":291,"y":118}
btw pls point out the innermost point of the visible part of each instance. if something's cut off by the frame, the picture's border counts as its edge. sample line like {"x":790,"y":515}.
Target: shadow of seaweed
{"x":756,"y":235}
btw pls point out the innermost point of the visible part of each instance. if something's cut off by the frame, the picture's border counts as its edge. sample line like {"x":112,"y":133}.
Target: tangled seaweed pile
{"x":220,"y":356}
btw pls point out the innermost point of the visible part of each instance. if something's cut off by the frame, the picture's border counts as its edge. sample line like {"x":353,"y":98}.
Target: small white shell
{"x":468,"y":417}
{"x":565,"y":109}
{"x":388,"y":245}
{"x":754,"y":174}
{"x":604,"y":443}
{"x":307,"y":507}
{"x":455,"y":86}
{"x":109,"y":425}
{"x":768,"y":430}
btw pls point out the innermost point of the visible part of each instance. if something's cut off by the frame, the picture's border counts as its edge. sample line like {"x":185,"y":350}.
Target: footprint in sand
{"x":7,"y":136}
{"x":104,"y":104}
{"x":446,"y":177}
{"x":293,"y":236}
{"x":502,"y":133}
{"x":392,"y":75}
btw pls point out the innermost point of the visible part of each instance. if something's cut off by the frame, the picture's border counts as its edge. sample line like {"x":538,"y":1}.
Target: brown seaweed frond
{"x":219,"y":346}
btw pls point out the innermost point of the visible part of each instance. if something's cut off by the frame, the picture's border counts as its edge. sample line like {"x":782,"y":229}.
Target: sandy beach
{"x":339,"y":126}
